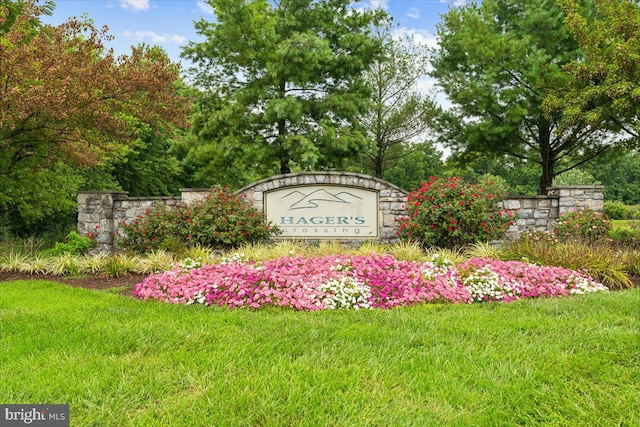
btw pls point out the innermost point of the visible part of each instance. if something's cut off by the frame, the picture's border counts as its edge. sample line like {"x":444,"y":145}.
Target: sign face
{"x":323,"y":211}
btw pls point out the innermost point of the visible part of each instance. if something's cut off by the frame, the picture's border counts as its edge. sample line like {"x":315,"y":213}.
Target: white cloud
{"x":420,"y":37}
{"x":414,"y":13}
{"x":371,"y":5}
{"x":204,"y":7}
{"x":455,"y":2}
{"x":135,"y":5}
{"x":382,"y":4}
{"x":155,"y":37}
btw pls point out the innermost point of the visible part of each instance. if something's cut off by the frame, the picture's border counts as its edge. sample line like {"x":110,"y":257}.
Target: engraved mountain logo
{"x":315,"y":199}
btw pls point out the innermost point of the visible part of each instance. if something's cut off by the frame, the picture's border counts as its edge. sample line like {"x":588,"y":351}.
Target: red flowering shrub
{"x":450,"y":213}
{"x":222,"y":220}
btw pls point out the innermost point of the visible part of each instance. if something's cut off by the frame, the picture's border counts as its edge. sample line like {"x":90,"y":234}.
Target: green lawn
{"x":122,"y":362}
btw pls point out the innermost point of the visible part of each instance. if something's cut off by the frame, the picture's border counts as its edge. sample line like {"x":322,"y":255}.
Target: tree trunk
{"x":284,"y":155}
{"x":546,"y":179}
{"x":548,"y":157}
{"x":284,"y":164}
{"x":282,"y":131}
{"x":379,"y":159}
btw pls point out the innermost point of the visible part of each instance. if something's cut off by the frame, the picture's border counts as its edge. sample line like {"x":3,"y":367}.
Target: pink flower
{"x":298,"y":282}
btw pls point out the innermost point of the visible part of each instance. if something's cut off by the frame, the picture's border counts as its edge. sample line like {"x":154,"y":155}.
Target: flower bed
{"x":358,"y":282}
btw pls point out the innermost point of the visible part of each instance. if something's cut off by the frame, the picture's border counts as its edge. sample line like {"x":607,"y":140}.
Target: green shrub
{"x":575,"y":177}
{"x":74,"y":244}
{"x":222,"y":220}
{"x":451,"y":213}
{"x":617,"y":210}
{"x":584,"y":225}
{"x":627,"y":236}
{"x":156,"y":230}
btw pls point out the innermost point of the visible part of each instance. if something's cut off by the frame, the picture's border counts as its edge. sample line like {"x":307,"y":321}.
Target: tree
{"x":34,"y":197}
{"x":399,"y":113}
{"x":10,"y":11}
{"x":519,"y":176}
{"x":497,"y":63}
{"x":147,"y":167}
{"x":66,"y":100}
{"x":620,"y":175}
{"x":289,"y":78}
{"x":608,"y":72}
{"x":416,"y":164}
{"x":213,"y":153}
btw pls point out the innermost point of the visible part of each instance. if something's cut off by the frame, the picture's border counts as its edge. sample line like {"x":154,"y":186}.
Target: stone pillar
{"x":392,"y":207}
{"x":579,"y":198}
{"x":95,"y":216}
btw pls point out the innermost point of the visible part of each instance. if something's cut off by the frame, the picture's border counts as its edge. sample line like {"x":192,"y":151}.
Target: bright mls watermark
{"x":34,"y":415}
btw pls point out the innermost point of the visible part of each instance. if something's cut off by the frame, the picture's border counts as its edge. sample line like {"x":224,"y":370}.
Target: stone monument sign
{"x":329,"y":205}
{"x":323,"y":211}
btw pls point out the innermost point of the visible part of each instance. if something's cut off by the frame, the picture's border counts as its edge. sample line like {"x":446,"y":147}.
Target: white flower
{"x":347,"y":293}
{"x":584,"y":285}
{"x":484,"y":284}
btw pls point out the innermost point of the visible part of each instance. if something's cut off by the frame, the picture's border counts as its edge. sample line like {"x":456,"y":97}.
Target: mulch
{"x":96,"y":282}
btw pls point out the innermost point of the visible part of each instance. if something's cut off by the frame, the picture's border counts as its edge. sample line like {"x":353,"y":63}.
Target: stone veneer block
{"x":389,"y":220}
{"x":511,"y":204}
{"x":528,"y":203}
{"x":541,"y":213}
{"x":525,"y":213}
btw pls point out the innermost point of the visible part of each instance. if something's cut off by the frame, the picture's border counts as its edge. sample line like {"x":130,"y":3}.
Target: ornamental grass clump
{"x":451,"y":213}
{"x":596,"y":259}
{"x":358,"y":282}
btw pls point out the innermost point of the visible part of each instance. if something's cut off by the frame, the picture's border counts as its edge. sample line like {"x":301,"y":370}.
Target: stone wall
{"x":103,"y":212}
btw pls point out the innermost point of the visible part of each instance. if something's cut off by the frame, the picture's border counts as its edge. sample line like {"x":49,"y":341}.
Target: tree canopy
{"x":497,"y":63}
{"x":282,"y":82}
{"x":399,"y":114}
{"x":608,"y":72}
{"x":67,"y":101}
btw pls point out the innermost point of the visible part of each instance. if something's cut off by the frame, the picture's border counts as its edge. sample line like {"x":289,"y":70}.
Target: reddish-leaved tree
{"x":65,"y":97}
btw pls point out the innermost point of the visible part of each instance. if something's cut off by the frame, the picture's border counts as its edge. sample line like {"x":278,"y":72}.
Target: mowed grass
{"x":122,"y":362}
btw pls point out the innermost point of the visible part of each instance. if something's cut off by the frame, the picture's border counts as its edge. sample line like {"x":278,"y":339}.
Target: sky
{"x":169,"y":23}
